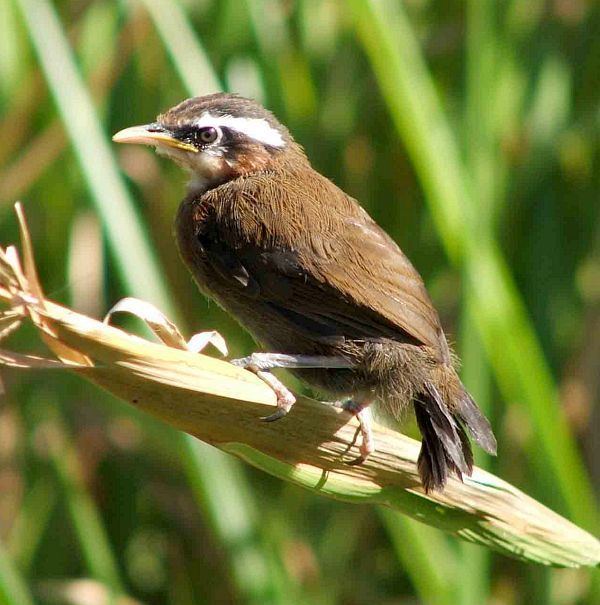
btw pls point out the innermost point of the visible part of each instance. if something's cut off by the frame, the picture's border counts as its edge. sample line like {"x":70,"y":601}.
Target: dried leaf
{"x":198,"y":342}
{"x":13,"y":261}
{"x":31,"y":275}
{"x":30,"y":285}
{"x":9,"y":325}
{"x":165,"y":329}
{"x":28,"y":362}
{"x":155,"y":319}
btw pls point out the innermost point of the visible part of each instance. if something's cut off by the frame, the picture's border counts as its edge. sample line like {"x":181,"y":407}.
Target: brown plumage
{"x":304,"y":268}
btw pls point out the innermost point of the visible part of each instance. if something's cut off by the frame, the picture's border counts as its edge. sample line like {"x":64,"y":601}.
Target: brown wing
{"x":316,"y":258}
{"x":384,"y":280}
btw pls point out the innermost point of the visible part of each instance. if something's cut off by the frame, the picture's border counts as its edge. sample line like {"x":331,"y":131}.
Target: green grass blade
{"x":285,"y":70}
{"x":29,"y":526}
{"x":91,"y":534}
{"x":426,"y":557}
{"x":13,"y":590}
{"x":132,"y":253}
{"x":479,"y":145}
{"x":188,"y":55}
{"x":229,"y":504}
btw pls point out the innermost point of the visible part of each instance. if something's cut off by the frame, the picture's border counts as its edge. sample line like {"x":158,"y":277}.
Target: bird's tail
{"x":445,"y":447}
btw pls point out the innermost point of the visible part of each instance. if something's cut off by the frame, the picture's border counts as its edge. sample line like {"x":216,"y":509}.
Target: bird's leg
{"x":268,"y":361}
{"x":361,"y":410}
{"x":261,"y":363}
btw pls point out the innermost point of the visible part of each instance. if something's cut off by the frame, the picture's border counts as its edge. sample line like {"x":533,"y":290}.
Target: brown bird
{"x":305,"y":269}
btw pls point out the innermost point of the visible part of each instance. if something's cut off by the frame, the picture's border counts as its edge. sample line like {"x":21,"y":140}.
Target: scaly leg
{"x":261,"y":363}
{"x":363,"y":414}
{"x":268,"y":361}
{"x":285,"y":398}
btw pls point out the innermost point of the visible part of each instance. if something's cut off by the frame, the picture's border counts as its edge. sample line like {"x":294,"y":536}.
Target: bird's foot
{"x":363,"y":414}
{"x":285,"y":398}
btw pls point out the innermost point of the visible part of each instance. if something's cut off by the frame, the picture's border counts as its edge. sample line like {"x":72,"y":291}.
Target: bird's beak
{"x":151,"y":134}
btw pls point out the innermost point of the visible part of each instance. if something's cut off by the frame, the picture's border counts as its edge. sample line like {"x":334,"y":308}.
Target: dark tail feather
{"x":477,"y":424}
{"x":445,"y":447}
{"x":432,"y":462}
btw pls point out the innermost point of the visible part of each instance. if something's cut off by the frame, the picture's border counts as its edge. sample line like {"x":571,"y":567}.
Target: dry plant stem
{"x":221,"y":404}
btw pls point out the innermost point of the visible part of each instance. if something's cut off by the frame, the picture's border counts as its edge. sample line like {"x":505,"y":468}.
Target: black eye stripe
{"x":185,"y":134}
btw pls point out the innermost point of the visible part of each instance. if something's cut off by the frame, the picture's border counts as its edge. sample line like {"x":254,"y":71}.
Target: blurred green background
{"x":468,"y":129}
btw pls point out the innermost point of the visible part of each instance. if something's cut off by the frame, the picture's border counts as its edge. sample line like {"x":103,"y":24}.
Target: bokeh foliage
{"x":467,"y":129}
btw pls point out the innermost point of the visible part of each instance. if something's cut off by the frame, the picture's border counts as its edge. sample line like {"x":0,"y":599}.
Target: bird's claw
{"x":285,"y":398}
{"x":356,"y":461}
{"x":257,"y":364}
{"x":277,"y":415}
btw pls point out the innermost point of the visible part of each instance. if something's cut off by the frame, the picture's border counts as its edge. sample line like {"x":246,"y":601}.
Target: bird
{"x":320,"y":286}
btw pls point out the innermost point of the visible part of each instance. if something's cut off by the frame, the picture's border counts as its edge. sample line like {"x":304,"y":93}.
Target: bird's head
{"x":217,"y":138}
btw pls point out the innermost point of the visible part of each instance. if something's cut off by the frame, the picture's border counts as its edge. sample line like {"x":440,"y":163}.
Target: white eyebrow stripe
{"x":255,"y":128}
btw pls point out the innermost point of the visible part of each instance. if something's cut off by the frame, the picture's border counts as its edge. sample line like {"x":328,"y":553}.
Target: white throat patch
{"x":254,"y":128}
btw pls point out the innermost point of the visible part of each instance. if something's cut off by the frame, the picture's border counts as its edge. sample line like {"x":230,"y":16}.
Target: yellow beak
{"x":151,"y":134}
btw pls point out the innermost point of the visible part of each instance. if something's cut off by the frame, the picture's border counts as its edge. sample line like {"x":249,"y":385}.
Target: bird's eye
{"x":208,"y":135}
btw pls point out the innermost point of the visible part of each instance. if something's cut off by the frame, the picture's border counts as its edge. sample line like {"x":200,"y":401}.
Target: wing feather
{"x":276,"y":235}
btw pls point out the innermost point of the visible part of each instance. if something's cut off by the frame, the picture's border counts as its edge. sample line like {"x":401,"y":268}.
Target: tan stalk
{"x":221,"y":404}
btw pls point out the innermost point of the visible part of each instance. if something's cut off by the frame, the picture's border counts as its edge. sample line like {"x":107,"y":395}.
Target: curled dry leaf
{"x":198,"y":342}
{"x":31,"y":291}
{"x":165,"y":329}
{"x":155,"y":319}
{"x":221,"y":404}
